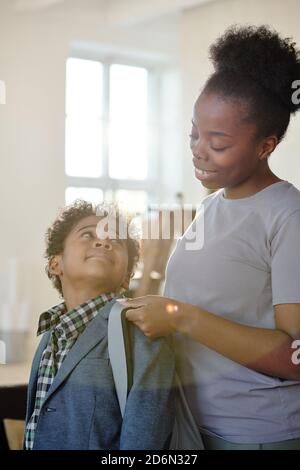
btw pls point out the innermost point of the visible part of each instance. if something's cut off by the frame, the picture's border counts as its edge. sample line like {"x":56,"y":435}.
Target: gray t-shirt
{"x":249,"y":261}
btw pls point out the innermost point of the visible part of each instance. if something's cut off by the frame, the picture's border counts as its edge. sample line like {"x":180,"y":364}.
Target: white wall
{"x":199,"y":28}
{"x":34,"y":46}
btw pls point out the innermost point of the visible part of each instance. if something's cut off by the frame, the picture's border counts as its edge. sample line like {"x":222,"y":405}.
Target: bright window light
{"x":128,"y":122}
{"x":84,"y":109}
{"x":132,"y":201}
{"x":84,"y":80}
{"x":93,"y":195}
{"x":107,"y":136}
{"x":83,"y":147}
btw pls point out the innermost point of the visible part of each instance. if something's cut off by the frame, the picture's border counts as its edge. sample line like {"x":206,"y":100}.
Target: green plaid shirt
{"x":65,"y":328}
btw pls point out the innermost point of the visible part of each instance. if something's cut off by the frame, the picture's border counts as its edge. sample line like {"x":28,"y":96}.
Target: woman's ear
{"x":55,"y":265}
{"x":268,"y":146}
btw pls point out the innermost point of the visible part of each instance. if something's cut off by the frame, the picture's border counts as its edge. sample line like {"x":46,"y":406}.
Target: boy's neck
{"x":75,"y":297}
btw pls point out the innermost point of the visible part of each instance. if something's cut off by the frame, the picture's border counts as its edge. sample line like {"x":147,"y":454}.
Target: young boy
{"x":72,"y":402}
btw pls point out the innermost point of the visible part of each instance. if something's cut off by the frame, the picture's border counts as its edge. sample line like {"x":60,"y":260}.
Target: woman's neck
{"x":252,"y":185}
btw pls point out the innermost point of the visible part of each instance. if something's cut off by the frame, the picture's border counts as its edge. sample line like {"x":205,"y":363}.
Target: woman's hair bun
{"x":261,"y":54}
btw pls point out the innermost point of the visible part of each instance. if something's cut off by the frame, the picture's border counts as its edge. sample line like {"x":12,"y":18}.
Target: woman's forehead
{"x":214,"y":112}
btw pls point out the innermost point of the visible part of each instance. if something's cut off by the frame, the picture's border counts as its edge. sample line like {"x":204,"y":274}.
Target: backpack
{"x":186,"y":434}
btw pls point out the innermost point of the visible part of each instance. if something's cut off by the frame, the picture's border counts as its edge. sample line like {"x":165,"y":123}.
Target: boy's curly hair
{"x":68,"y":217}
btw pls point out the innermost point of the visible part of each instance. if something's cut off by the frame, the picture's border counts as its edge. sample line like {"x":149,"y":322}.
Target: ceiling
{"x":119,"y":13}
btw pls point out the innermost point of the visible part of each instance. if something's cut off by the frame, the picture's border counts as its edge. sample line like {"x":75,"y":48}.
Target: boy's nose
{"x":103,"y":244}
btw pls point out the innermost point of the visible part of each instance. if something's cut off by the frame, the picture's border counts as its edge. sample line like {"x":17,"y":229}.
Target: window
{"x":93,"y":195}
{"x":107,"y":153}
{"x":128,"y":121}
{"x":84,"y":120}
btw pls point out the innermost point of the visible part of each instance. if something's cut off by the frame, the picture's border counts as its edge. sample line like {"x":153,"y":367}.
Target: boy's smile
{"x":101,"y":256}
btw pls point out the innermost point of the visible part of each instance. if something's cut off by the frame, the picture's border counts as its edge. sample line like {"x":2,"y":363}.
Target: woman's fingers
{"x":152,"y":314}
{"x":134,"y":303}
{"x":134,"y":314}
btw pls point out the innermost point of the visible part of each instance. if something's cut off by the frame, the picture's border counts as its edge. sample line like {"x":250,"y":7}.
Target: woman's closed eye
{"x":215,"y":149}
{"x":221,"y":149}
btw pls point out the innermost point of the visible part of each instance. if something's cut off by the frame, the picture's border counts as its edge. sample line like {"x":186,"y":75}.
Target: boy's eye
{"x":87,"y":235}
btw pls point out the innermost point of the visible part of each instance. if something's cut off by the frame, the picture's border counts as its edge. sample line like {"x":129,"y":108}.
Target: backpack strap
{"x":186,"y":434}
{"x":120,"y":354}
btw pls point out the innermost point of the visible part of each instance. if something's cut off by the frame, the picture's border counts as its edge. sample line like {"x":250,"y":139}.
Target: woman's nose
{"x":199,"y":150}
{"x":103,"y":244}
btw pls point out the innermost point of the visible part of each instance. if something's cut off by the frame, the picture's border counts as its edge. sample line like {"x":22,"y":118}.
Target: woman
{"x":235,"y":302}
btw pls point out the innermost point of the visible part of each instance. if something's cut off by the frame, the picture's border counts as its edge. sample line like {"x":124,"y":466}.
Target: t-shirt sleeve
{"x":285,"y":263}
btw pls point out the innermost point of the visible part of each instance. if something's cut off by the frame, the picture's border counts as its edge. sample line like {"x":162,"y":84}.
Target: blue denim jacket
{"x":81,"y":409}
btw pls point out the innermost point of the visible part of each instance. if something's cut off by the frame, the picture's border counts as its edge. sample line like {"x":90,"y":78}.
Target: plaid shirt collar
{"x":74,"y":321}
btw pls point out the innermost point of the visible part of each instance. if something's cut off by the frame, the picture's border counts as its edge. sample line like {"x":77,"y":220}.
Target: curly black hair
{"x":66,"y":220}
{"x":256,"y":66}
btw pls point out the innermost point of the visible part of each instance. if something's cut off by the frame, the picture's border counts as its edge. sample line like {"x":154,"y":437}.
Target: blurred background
{"x":98,"y":103}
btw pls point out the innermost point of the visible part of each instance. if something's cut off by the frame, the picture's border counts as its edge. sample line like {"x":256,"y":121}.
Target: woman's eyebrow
{"x":217,"y":133}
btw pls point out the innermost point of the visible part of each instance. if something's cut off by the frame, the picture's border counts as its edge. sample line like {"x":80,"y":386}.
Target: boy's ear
{"x":54,"y":265}
{"x":125,"y":283}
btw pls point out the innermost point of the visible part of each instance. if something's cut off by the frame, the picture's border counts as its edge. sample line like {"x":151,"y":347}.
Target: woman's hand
{"x":153,"y":314}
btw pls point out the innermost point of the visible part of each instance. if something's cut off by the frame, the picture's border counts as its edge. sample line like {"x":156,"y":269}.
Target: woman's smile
{"x":203,"y":175}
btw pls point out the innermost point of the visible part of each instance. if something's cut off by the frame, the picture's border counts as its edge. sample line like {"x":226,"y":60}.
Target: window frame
{"x":106,"y":183}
